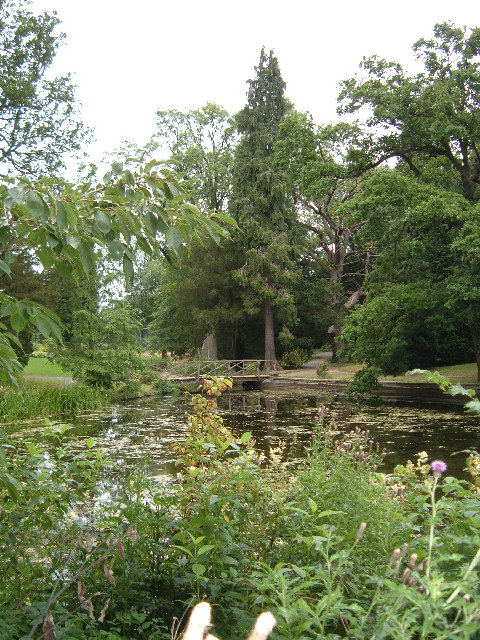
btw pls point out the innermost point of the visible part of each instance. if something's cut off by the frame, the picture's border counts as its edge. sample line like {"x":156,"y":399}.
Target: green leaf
{"x":17,"y":320}
{"x":46,"y":257}
{"x":246,"y":437}
{"x":12,"y":485}
{"x":128,"y":271}
{"x":151,"y":222}
{"x":227,"y":219}
{"x":205,"y":549}
{"x":198,"y":569}
{"x":457,"y":389}
{"x":4,"y":267}
{"x":5,"y":235}
{"x":42,"y":325}
{"x":61,"y":212}
{"x":117,"y":168}
{"x":103,"y":222}
{"x":174,"y":238}
{"x":86,"y":257}
{"x":473,"y":406}
{"x":72,"y":241}
{"x":116,"y":249}
{"x":37,"y":206}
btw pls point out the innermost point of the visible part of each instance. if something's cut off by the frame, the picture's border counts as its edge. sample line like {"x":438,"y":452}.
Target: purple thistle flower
{"x":438,"y":467}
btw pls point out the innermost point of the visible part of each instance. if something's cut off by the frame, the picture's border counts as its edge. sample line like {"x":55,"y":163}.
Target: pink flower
{"x":438,"y":467}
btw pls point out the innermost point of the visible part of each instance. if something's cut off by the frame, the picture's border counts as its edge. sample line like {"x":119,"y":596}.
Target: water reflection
{"x":138,"y":434}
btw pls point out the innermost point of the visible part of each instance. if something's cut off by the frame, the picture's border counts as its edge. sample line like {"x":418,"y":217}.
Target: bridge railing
{"x":208,"y":368}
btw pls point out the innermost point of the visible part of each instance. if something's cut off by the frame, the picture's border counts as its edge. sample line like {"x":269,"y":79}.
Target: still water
{"x":137,"y":434}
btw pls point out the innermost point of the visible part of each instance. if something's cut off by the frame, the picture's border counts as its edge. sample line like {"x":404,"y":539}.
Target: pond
{"x":137,"y":434}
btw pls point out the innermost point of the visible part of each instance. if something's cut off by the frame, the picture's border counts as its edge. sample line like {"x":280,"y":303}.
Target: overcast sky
{"x":129,"y":59}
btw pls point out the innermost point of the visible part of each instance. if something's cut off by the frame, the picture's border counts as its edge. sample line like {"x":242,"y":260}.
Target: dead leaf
{"x":121,"y":548}
{"x":89,"y":543}
{"x":81,"y":590}
{"x":109,"y":573}
{"x":101,"y":617}
{"x":132,"y":533}
{"x":88,"y":606}
{"x":49,"y":628}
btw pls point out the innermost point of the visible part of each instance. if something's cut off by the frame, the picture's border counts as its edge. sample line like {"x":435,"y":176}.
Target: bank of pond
{"x":295,"y":502}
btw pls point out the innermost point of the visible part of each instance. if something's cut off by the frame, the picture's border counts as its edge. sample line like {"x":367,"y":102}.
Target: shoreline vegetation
{"x":47,"y":389}
{"x":332,"y":548}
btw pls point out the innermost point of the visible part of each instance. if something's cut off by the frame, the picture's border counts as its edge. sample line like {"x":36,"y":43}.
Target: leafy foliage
{"x":63,"y":225}
{"x":38,"y":119}
{"x":432,"y":115}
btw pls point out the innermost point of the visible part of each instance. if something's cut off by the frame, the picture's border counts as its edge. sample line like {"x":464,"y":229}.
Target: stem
{"x":432,"y":527}
{"x":471,"y":567}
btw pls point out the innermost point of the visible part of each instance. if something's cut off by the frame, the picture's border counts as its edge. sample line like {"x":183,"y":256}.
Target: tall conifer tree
{"x":259,"y":202}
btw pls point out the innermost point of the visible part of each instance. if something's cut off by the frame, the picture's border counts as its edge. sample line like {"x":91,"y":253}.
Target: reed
{"x":46,"y":401}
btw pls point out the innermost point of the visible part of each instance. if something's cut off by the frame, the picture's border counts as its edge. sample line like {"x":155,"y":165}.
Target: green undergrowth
{"x":331,"y":547}
{"x":33,"y":401}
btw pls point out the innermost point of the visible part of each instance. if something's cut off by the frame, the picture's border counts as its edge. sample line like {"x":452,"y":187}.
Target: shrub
{"x":127,"y":390}
{"x":364,"y":381}
{"x":322,"y":370}
{"x":149,"y":376}
{"x":294,"y":359}
{"x":165,"y":387}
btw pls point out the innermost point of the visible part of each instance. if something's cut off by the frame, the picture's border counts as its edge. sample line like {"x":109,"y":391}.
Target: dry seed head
{"x":406,"y":575}
{"x":361,"y":530}
{"x":394,"y":557}
{"x":404,"y":549}
{"x":411,"y":581}
{"x":422,"y":565}
{"x":412,"y":560}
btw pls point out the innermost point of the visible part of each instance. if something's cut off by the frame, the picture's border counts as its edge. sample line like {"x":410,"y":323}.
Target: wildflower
{"x":361,"y":530}
{"x":438,"y":467}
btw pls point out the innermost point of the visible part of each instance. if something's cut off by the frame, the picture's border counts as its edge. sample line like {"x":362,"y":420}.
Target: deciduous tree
{"x":38,"y":119}
{"x":432,"y":115}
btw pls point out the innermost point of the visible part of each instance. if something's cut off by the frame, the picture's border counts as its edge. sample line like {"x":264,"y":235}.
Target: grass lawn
{"x":462,"y":373}
{"x":45,"y":367}
{"x":466,"y":373}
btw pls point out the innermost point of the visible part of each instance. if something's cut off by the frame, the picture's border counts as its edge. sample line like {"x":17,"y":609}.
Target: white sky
{"x":129,"y":59}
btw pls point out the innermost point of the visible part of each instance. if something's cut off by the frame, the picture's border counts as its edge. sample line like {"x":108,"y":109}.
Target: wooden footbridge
{"x":239,"y":370}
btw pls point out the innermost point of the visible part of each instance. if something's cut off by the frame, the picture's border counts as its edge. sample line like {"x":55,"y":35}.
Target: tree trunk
{"x":271,"y":363}
{"x":234,"y":341}
{"x":334,"y":332}
{"x":209,"y":346}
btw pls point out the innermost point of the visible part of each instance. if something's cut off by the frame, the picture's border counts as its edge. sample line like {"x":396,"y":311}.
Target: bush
{"x":322,"y":370}
{"x":165,"y":387}
{"x":128,"y":390}
{"x":294,"y":359}
{"x":149,"y":376}
{"x":364,"y":381}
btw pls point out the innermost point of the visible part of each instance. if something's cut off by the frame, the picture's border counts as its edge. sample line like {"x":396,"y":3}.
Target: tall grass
{"x":50,"y":400}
